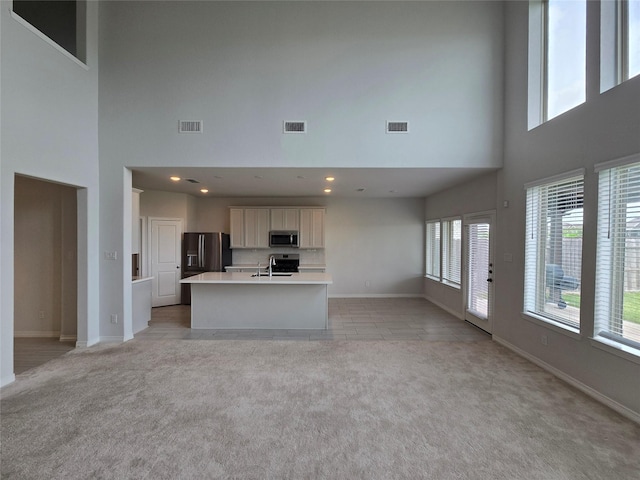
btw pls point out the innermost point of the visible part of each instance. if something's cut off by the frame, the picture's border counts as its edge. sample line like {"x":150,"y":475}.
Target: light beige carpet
{"x":194,"y":409}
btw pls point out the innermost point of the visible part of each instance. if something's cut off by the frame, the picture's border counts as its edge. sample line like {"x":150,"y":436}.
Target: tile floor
{"x":29,"y":353}
{"x":349,"y":319}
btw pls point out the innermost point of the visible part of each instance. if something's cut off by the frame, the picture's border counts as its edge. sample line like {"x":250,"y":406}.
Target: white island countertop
{"x":238,"y":300}
{"x":248,"y":278}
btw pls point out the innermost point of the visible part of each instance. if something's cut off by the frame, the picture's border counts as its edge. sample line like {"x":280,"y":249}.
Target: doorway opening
{"x":45,"y":271}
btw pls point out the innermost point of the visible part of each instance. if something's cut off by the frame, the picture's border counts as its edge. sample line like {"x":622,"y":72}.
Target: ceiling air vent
{"x":397,"y":127}
{"x":190,"y":126}
{"x":295,"y":127}
{"x":191,"y":180}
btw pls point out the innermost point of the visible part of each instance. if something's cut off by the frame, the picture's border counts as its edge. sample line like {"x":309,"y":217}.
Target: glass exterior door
{"x":479,"y":271}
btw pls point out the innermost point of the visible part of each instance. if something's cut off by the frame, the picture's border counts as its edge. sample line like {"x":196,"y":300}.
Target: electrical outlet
{"x":111,"y":255}
{"x":114,"y":318}
{"x":367,"y":284}
{"x":544,"y":340}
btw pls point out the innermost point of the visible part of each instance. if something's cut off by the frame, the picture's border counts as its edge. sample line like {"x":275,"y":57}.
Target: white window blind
{"x":433,"y":249}
{"x":617,"y":302}
{"x":478,"y":256}
{"x":451,"y":251}
{"x":553,"y":255}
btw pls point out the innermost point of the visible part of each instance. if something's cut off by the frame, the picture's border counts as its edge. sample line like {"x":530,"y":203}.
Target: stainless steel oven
{"x":286,"y":262}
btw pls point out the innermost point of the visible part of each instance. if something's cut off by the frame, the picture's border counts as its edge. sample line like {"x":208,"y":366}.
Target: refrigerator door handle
{"x":202,"y":251}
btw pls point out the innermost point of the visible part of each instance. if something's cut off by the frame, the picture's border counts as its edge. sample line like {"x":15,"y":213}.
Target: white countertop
{"x":247,"y":279}
{"x":263,"y":266}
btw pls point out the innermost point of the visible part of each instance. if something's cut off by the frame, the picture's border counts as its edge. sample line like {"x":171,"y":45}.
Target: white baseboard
{"x":96,"y":341}
{"x":444,"y":307}
{"x":116,"y":339}
{"x":376,"y":295}
{"x":7,"y":380}
{"x":68,"y":338}
{"x":88,"y":343}
{"x":609,"y":402}
{"x":34,"y":334}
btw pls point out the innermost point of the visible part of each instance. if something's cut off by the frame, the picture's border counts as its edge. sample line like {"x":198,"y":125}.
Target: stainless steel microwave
{"x":283,"y":238}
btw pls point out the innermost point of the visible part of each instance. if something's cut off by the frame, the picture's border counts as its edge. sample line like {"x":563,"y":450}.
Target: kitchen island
{"x":242,"y":300}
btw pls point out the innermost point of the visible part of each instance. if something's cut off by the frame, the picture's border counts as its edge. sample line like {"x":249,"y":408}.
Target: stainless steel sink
{"x":273,"y":274}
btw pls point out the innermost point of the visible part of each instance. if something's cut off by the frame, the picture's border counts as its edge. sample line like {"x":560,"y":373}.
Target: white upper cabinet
{"x":285,"y":219}
{"x":249,"y":227}
{"x":256,"y":228}
{"x":312,"y":228}
{"x":237,"y":227}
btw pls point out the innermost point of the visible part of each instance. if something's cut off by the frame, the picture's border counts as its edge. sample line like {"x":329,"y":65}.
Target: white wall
{"x":344,"y":67}
{"x":244,"y":67}
{"x":606,"y":127}
{"x":50,"y":131}
{"x":477,"y":195}
{"x":169,"y":205}
{"x":380,"y":241}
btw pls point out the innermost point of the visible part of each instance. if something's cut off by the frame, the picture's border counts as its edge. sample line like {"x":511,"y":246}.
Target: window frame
{"x":535,"y":282}
{"x":451,"y":275}
{"x":79,"y":56}
{"x":538,"y":65}
{"x":614,"y":44}
{"x":444,"y":259}
{"x":609,"y":253}
{"x":433,"y":262}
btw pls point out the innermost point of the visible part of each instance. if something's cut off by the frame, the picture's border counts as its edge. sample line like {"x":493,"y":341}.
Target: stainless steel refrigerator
{"x":203,"y":252}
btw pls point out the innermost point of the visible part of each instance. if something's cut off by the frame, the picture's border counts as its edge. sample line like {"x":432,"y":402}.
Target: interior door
{"x":479,"y":270}
{"x":165,"y":261}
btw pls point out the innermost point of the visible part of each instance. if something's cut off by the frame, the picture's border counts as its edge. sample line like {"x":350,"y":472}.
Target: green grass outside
{"x":631,"y":305}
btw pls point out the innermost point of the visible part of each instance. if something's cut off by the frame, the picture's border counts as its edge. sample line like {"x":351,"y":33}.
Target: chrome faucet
{"x":272,"y":262}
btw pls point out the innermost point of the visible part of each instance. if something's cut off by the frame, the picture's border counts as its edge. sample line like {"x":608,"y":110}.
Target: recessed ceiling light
{"x":175,"y":179}
{"x":360,"y":190}
{"x":327,"y":190}
{"x":329,"y":179}
{"x":204,"y":190}
{"x":257,"y":176}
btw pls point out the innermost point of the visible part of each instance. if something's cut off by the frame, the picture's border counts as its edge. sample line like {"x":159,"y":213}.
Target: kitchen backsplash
{"x":252,"y":257}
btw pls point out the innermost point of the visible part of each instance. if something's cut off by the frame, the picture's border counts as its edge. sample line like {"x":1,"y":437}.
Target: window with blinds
{"x":617,"y":302}
{"x":433,"y":249}
{"x":444,"y":250}
{"x":553,"y":255}
{"x":451,"y":251}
